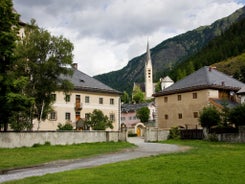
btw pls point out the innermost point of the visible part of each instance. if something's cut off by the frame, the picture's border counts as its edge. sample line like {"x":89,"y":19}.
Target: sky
{"x":106,"y":34}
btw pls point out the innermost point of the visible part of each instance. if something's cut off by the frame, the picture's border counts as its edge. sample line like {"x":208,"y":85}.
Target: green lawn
{"x":206,"y":163}
{"x":23,"y":157}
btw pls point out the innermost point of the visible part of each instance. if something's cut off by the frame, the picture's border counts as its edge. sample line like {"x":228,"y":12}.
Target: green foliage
{"x":8,"y":35}
{"x":137,"y":95}
{"x":143,"y":114}
{"x":204,"y":163}
{"x":132,"y":135}
{"x":209,"y":116}
{"x":43,"y":59}
{"x":125,"y":97}
{"x":237,"y":115}
{"x":66,"y":126}
{"x":230,"y":43}
{"x":27,"y":156}
{"x":174,"y":133}
{"x":98,"y":121}
{"x":158,"y":87}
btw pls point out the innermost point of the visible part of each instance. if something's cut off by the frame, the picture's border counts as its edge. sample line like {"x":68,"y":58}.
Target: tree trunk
{"x":205,"y":133}
{"x":40,"y":117}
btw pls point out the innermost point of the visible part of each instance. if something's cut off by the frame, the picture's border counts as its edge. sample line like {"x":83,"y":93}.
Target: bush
{"x":66,"y":126}
{"x":212,"y":137}
{"x":132,"y":135}
{"x":237,"y":115}
{"x":174,"y":133}
{"x":209,"y":117}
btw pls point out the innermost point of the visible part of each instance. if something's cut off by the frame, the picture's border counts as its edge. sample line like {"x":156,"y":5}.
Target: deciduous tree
{"x":143,"y":114}
{"x":44,"y":59}
{"x":98,"y":121}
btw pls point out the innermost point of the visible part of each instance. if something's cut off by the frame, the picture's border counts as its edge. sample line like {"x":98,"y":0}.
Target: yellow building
{"x":88,"y":94}
{"x":179,"y":105}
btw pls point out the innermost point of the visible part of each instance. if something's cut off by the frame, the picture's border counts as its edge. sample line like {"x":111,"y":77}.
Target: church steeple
{"x":148,"y":53}
{"x":148,"y":74}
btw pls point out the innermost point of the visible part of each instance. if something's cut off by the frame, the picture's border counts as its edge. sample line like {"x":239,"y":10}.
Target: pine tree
{"x":9,"y":23}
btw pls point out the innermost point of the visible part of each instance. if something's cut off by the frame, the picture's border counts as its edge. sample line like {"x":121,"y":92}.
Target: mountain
{"x":224,"y":47}
{"x":169,"y":53}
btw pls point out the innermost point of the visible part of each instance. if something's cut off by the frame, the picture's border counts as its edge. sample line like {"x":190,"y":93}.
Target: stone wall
{"x":155,"y":134}
{"x":233,"y":137}
{"x":28,"y":139}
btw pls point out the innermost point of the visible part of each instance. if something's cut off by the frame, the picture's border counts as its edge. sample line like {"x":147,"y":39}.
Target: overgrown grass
{"x":23,"y":157}
{"x":207,"y":162}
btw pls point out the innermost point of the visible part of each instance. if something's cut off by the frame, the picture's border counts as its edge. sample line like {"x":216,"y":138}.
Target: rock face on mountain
{"x":168,"y":53}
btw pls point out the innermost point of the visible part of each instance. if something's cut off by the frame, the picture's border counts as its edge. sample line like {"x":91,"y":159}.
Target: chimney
{"x":74,"y":65}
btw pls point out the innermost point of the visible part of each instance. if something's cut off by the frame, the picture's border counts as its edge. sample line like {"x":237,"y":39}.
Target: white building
{"x":88,"y":94}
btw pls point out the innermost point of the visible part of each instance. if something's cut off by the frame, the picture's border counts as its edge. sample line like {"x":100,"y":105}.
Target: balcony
{"x":78,"y":106}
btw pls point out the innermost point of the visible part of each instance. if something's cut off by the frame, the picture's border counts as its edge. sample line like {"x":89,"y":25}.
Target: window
{"x":100,"y":100}
{"x":165,"y":99}
{"x":179,"y":97}
{"x":112,"y":101}
{"x":68,"y":116}
{"x":166,"y":116}
{"x":86,"y":99}
{"x":112,"y":117}
{"x":53,"y":115}
{"x":195,"y":114}
{"x":194,"y":95}
{"x":130,"y":118}
{"x":123,"y":118}
{"x":68,"y":98}
{"x":134,"y":118}
{"x":78,"y":98}
{"x":180,"y":115}
{"x":53,"y":97}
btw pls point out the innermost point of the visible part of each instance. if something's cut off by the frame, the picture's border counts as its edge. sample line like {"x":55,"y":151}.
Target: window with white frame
{"x":68,"y":116}
{"x":86,"y":99}
{"x":111,"y":101}
{"x":100,"y":100}
{"x":53,"y":116}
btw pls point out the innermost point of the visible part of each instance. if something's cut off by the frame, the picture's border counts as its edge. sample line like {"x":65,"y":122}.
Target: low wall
{"x":28,"y":139}
{"x":155,"y":134}
{"x":233,"y":137}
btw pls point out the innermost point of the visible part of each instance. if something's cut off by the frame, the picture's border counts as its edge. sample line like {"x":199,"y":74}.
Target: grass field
{"x":206,"y":162}
{"x":23,"y":157}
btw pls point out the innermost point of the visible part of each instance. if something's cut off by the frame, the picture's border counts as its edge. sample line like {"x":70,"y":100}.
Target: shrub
{"x":174,"y":133}
{"x":132,"y":135}
{"x":209,"y":117}
{"x":237,"y":115}
{"x":66,"y":126}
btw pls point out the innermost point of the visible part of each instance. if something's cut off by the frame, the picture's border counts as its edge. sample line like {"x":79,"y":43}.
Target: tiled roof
{"x":223,"y":103}
{"x":83,"y":82}
{"x":242,"y":90}
{"x":133,"y":107}
{"x":204,"y":78}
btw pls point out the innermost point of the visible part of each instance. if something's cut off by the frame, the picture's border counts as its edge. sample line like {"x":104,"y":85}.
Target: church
{"x":148,"y":87}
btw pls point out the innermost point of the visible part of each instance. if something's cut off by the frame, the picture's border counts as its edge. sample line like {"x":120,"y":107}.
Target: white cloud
{"x":108,"y":33}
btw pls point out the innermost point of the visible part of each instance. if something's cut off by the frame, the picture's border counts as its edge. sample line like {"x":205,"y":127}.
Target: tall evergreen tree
{"x":9,"y":21}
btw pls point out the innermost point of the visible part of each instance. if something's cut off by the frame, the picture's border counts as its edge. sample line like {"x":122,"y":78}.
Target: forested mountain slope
{"x":169,"y":53}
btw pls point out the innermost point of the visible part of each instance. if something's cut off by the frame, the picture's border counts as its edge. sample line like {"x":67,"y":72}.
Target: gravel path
{"x":142,"y":150}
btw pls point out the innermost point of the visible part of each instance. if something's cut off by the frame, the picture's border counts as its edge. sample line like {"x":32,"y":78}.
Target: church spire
{"x":148,"y":53}
{"x":148,"y":74}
